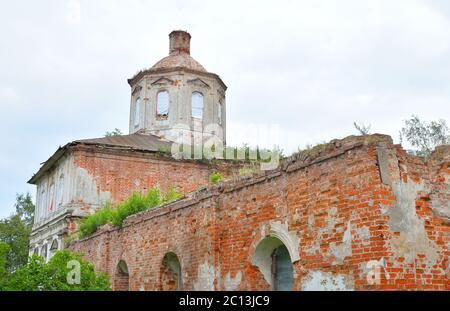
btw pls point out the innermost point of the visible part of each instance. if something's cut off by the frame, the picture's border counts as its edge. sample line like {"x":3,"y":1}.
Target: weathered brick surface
{"x":121,"y":173}
{"x":336,"y":209}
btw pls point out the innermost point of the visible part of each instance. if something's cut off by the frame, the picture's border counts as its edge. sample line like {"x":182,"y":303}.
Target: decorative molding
{"x":162,"y":81}
{"x":289,"y":239}
{"x":199,"y":82}
{"x":137,"y":89}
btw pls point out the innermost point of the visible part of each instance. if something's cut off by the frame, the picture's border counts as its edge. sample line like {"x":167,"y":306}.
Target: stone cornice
{"x":132,"y":81}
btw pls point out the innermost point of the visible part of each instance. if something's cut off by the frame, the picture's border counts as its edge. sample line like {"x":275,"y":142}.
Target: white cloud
{"x":309,"y":67}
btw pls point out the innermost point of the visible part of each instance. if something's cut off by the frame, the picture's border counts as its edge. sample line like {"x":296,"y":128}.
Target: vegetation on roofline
{"x":115,"y":132}
{"x":362,"y":128}
{"x":216,"y":177}
{"x":115,"y":215}
{"x":247,"y":171}
{"x":422,"y":136}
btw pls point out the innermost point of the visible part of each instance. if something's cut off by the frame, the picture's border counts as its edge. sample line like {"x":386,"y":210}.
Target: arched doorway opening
{"x":282,"y":269}
{"x":274,"y":262}
{"x":171,"y":278}
{"x":121,"y":277}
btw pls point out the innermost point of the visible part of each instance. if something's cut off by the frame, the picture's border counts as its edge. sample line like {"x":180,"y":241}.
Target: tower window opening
{"x":137,"y":112}
{"x":197,"y":105}
{"x":219,"y":113}
{"x":162,"y":104}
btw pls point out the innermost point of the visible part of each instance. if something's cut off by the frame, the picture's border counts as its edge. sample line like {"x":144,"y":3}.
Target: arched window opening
{"x":137,"y":111}
{"x":51,"y":198}
{"x":197,"y":105}
{"x":274,"y":262}
{"x":42,"y":203}
{"x":219,"y":113}
{"x":171,"y":278}
{"x":60,"y":192}
{"x":44,"y":252}
{"x":36,"y":251}
{"x":162,"y":104}
{"x":121,"y":277}
{"x":53,"y":248}
{"x":282,"y":269}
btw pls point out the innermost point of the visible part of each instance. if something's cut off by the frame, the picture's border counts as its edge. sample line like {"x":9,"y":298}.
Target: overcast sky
{"x":306,"y":68}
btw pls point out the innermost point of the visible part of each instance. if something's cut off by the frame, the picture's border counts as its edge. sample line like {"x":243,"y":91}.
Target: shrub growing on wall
{"x":134,"y":204}
{"x":215,"y":177}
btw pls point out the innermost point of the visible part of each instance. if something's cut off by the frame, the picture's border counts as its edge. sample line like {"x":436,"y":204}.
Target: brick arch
{"x":121,"y":279}
{"x":171,"y":277}
{"x":269,"y":238}
{"x":278,"y":230}
{"x":272,"y":259}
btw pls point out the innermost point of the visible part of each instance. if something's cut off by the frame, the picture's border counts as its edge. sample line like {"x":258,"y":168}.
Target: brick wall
{"x":120,"y":173}
{"x":355,"y":207}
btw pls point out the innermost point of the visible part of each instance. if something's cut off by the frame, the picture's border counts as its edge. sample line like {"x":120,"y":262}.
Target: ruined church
{"x":357,"y":213}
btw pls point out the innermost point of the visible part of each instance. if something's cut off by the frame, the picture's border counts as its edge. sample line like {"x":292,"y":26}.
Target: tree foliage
{"x":53,"y":276}
{"x":425,"y":136}
{"x":15,"y":232}
{"x":4,"y":273}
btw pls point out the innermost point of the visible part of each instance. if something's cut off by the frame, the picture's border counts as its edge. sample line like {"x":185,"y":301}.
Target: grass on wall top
{"x":115,"y":215}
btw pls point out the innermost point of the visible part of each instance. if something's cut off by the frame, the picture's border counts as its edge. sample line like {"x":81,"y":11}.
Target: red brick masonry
{"x":336,"y":208}
{"x":120,"y":173}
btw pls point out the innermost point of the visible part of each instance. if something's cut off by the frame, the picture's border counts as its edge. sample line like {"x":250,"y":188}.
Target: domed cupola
{"x":177,"y":95}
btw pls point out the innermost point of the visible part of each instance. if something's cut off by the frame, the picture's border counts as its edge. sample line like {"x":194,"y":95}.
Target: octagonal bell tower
{"x":178,"y":96}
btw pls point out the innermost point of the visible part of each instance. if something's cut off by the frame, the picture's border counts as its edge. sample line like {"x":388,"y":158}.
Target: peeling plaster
{"x":441,"y":207}
{"x":332,"y":220}
{"x":413,"y":239}
{"x":363,"y":234}
{"x":324,"y":281}
{"x":205,"y":277}
{"x":311,"y":221}
{"x":232,"y":283}
{"x":343,"y":249}
{"x":296,"y":216}
{"x":87,"y":190}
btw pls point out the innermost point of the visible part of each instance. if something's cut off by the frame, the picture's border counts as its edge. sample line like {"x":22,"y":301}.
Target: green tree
{"x":4,"y":273}
{"x":15,"y":232}
{"x":56,"y":275}
{"x":425,"y":136}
